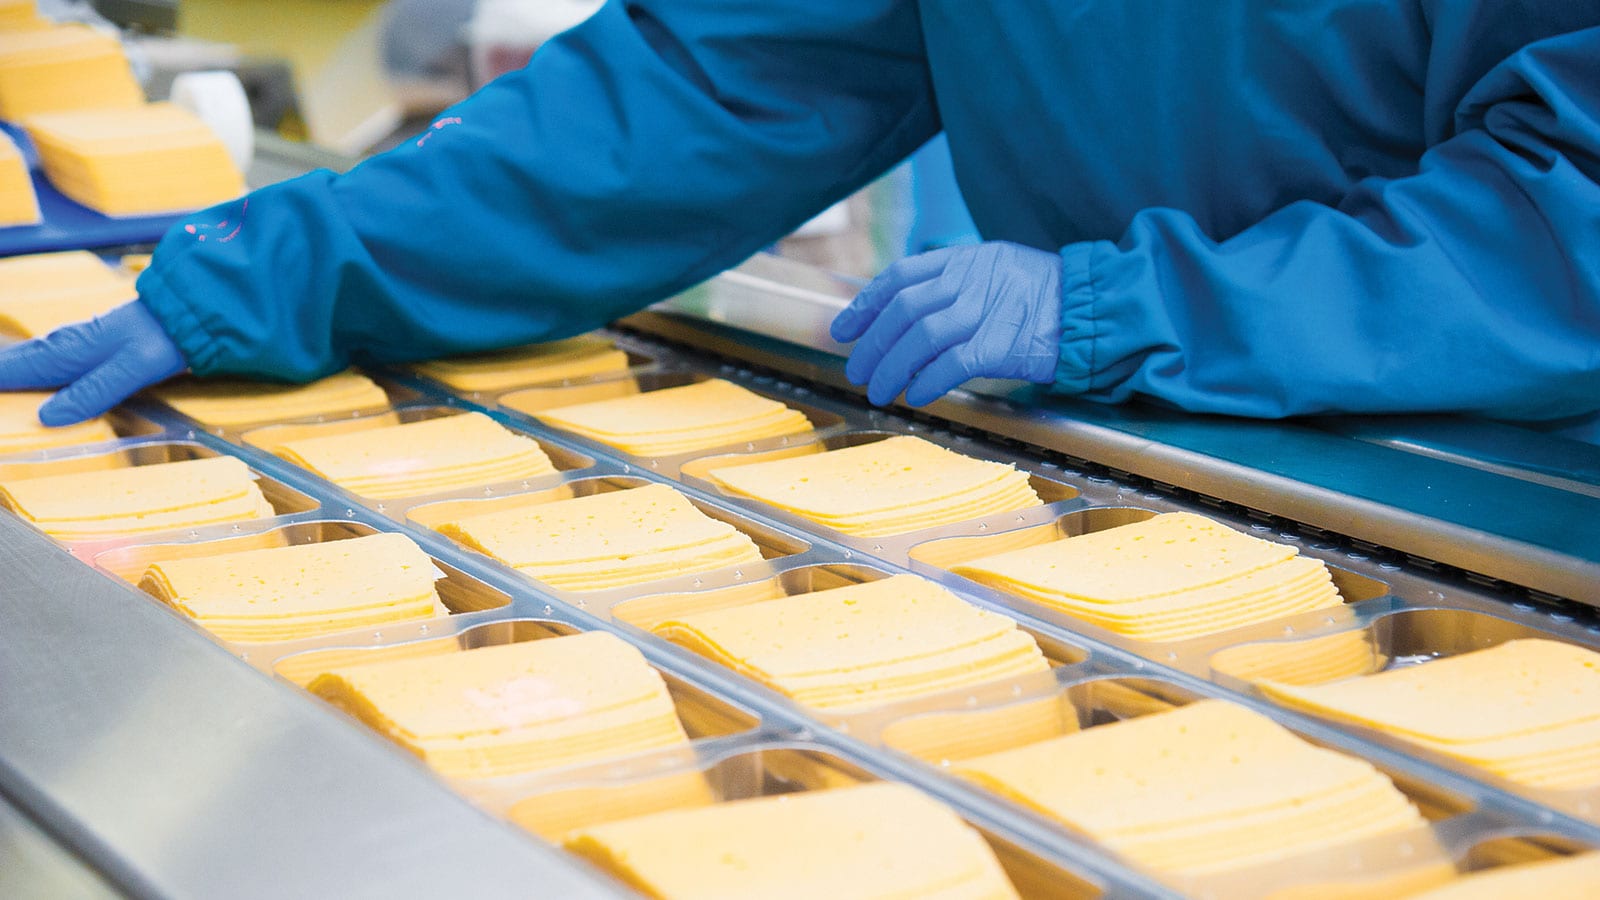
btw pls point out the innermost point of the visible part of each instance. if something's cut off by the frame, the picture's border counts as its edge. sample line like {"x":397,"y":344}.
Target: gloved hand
{"x":100,"y":362}
{"x":932,"y":321}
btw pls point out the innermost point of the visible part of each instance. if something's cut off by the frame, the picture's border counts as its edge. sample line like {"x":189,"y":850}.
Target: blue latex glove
{"x":100,"y":362}
{"x":931,"y":321}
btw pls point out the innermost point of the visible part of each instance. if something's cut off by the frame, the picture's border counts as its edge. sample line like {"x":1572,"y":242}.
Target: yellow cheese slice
{"x":576,"y":357}
{"x":887,"y":487}
{"x":63,"y":67}
{"x":552,"y":814}
{"x":606,"y":539}
{"x":18,"y":203}
{"x":425,"y":457}
{"x":1566,"y":878}
{"x":696,"y":416}
{"x":1204,"y":788}
{"x":21,"y":431}
{"x":862,"y":645}
{"x":42,"y":292}
{"x":101,"y":505}
{"x":231,"y":402}
{"x":871,"y":842}
{"x":513,"y":707}
{"x":21,"y":15}
{"x":139,"y":160}
{"x":41,"y":274}
{"x":301,"y":591}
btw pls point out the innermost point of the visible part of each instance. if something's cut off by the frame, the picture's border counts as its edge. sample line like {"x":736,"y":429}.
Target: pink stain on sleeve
{"x":438,"y":124}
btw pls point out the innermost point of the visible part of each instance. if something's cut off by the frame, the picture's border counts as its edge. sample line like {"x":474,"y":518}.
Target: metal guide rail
{"x":747,"y":739}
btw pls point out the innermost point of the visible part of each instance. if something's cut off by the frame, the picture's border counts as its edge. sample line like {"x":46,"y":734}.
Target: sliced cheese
{"x":891,"y":486}
{"x":1566,"y":878}
{"x":1527,"y":710}
{"x":285,"y":593}
{"x":426,"y":457}
{"x":1173,"y":577}
{"x":102,"y":505}
{"x":139,"y":160}
{"x":698,"y":416}
{"x":513,"y":707}
{"x":576,"y":357}
{"x":19,"y":205}
{"x":63,"y":67}
{"x":1207,"y":788}
{"x":870,"y":842}
{"x":225,"y":402}
{"x":606,"y":540}
{"x":21,"y":431}
{"x":42,"y":292}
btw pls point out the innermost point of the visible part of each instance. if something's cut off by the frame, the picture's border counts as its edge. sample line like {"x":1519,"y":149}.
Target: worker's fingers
{"x":923,"y":342}
{"x":56,"y":358}
{"x":853,"y":320}
{"x":943,"y":375}
{"x":94,"y":394}
{"x":908,"y":307}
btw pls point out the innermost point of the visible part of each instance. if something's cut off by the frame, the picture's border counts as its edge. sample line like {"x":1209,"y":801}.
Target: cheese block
{"x":698,"y":416}
{"x":606,"y":540}
{"x":577,"y":357}
{"x":892,"y":486}
{"x":1204,"y":789}
{"x":869,"y":842}
{"x":21,"y":431}
{"x":225,"y":402}
{"x":140,"y":160}
{"x":115,"y":503}
{"x":425,"y":457}
{"x":18,"y":203}
{"x":1526,"y":710}
{"x":42,"y":292}
{"x":1173,"y":577}
{"x":63,"y":67}
{"x":513,"y":707}
{"x":285,"y":593}
{"x":1565,"y":878}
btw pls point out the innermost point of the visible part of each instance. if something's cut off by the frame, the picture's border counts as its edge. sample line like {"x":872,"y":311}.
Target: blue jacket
{"x":1262,"y":207}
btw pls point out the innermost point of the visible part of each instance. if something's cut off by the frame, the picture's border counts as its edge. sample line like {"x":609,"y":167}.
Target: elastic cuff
{"x":179,"y":320}
{"x":1075,"y":363}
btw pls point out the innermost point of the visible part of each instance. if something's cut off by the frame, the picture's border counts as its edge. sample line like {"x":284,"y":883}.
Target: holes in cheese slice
{"x":20,"y":430}
{"x":697,"y":416}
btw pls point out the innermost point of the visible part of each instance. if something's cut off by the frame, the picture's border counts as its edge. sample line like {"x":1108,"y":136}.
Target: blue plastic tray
{"x":68,"y":225}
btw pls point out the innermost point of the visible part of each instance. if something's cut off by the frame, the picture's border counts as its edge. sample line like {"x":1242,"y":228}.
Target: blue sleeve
{"x":652,"y":146}
{"x":1471,"y":286}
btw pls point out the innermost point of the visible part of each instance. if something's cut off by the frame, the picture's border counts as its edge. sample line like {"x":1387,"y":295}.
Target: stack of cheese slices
{"x":697,"y":416}
{"x":854,"y":648}
{"x":870,"y":842}
{"x":285,"y":593}
{"x":226,"y":402}
{"x":20,"y":430}
{"x":63,"y":67}
{"x":137,"y":500}
{"x":425,"y":457}
{"x":1205,"y":789}
{"x":138,"y":160}
{"x":1526,"y":710}
{"x":576,"y":357}
{"x":44,"y":291}
{"x":607,"y":540}
{"x":1171,"y":577}
{"x":887,"y":487}
{"x":18,"y":203}
{"x":513,"y":708}
{"x":1563,"y":878}
{"x":863,"y":645}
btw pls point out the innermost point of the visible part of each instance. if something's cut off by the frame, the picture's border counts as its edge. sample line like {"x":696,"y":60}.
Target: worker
{"x":1238,"y":206}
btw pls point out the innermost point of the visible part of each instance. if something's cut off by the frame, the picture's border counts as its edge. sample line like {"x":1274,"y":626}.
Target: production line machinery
{"x":140,"y":757}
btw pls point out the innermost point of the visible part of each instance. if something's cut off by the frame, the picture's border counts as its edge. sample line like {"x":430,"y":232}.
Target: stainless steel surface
{"x":198,"y":777}
{"x":1523,"y":511}
{"x":35,"y":864}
